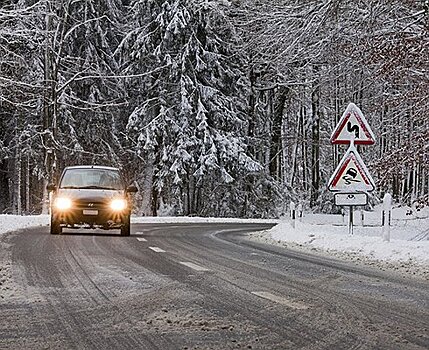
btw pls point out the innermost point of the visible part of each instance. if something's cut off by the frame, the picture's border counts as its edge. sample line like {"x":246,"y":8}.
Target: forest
{"x":212,"y":107}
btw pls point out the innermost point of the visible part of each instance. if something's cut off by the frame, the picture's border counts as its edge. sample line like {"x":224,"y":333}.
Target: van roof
{"x":91,"y":167}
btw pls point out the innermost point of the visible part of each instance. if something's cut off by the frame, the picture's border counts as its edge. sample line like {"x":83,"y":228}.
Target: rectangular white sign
{"x":351,"y":199}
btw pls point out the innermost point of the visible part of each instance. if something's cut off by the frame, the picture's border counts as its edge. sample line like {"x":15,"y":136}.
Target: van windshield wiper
{"x":94,"y":187}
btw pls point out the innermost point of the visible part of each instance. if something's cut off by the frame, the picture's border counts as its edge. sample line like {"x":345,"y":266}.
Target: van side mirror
{"x":132,"y":189}
{"x":51,"y":187}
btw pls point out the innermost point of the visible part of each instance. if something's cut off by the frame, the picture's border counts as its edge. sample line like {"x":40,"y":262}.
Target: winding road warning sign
{"x":353,"y":125}
{"x":351,"y":175}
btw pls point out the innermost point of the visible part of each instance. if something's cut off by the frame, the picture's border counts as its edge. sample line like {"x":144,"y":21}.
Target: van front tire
{"x":56,"y":228}
{"x":125,"y":228}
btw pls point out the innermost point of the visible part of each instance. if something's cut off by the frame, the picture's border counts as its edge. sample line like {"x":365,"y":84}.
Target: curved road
{"x":197,"y":286}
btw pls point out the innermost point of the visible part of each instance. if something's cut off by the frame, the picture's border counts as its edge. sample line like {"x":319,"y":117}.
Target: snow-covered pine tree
{"x":61,"y":60}
{"x":20,"y":131}
{"x":89,"y":96}
{"x":191,"y":122}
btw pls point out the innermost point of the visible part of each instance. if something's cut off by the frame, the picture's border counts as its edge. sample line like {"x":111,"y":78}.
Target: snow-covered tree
{"x":191,"y":121}
{"x":213,"y":106}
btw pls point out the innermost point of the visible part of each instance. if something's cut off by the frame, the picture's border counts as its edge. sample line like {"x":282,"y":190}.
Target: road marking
{"x":158,"y":250}
{"x":194,"y":266}
{"x":142,"y":239}
{"x":281,"y":300}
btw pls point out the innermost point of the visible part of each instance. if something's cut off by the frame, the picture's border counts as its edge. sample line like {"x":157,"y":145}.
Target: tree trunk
{"x":315,"y":145}
{"x":154,"y":201}
{"x":286,"y":149}
{"x":17,"y":206}
{"x":4,"y":184}
{"x":276,"y":133}
{"x":304,"y":151}
{"x":27,"y":185}
{"x":146,"y":191}
{"x":295,"y":150}
{"x":47,"y":118}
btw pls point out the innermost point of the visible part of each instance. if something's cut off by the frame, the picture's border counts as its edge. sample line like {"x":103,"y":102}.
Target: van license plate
{"x":90,"y":212}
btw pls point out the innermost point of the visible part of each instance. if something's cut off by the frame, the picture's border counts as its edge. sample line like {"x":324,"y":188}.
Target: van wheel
{"x":125,"y":228}
{"x":55,"y":227}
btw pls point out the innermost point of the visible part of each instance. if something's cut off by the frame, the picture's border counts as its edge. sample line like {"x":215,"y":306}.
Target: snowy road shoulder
{"x":9,"y":223}
{"x":365,"y":246}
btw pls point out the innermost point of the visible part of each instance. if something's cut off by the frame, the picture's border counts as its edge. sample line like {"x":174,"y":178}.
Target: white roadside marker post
{"x":386,"y":217}
{"x":292,"y":213}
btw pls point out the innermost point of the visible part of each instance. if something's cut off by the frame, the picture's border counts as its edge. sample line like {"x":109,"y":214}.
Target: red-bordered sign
{"x":351,"y":175}
{"x":353,"y":125}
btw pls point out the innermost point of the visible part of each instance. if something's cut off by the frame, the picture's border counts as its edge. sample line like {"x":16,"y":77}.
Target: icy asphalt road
{"x":197,"y":286}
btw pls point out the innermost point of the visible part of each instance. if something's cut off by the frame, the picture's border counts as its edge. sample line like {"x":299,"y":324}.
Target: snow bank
{"x":364,"y":241}
{"x":16,"y":222}
{"x":185,"y":219}
{"x":407,"y":251}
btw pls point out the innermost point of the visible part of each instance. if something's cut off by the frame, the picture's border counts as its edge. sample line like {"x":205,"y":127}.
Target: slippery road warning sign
{"x":353,"y":125}
{"x":351,"y":175}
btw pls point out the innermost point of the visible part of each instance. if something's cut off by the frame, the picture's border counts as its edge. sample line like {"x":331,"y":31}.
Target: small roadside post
{"x":292,"y":213}
{"x":386,"y":217}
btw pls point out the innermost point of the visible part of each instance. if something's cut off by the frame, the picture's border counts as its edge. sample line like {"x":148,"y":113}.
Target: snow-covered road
{"x":197,"y":285}
{"x":407,"y":251}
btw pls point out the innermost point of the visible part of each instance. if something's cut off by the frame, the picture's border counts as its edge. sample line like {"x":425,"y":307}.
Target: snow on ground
{"x":15,"y":222}
{"x":407,"y":251}
{"x":186,"y":219}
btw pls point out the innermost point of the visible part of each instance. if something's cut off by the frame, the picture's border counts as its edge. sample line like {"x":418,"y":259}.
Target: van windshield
{"x":91,"y":178}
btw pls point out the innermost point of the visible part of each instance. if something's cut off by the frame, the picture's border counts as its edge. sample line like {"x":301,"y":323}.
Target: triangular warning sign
{"x":351,"y":175}
{"x":353,"y":124}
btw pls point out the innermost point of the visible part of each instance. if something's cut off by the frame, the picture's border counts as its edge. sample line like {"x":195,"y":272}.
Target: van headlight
{"x":118,"y":204}
{"x":62,"y":203}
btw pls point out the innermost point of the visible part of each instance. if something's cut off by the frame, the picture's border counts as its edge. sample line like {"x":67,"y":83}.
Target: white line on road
{"x":142,"y":239}
{"x":281,"y":300}
{"x":158,"y":250}
{"x":194,"y":266}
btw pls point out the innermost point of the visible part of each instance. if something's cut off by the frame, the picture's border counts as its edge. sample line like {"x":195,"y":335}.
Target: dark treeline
{"x":220,"y":108}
